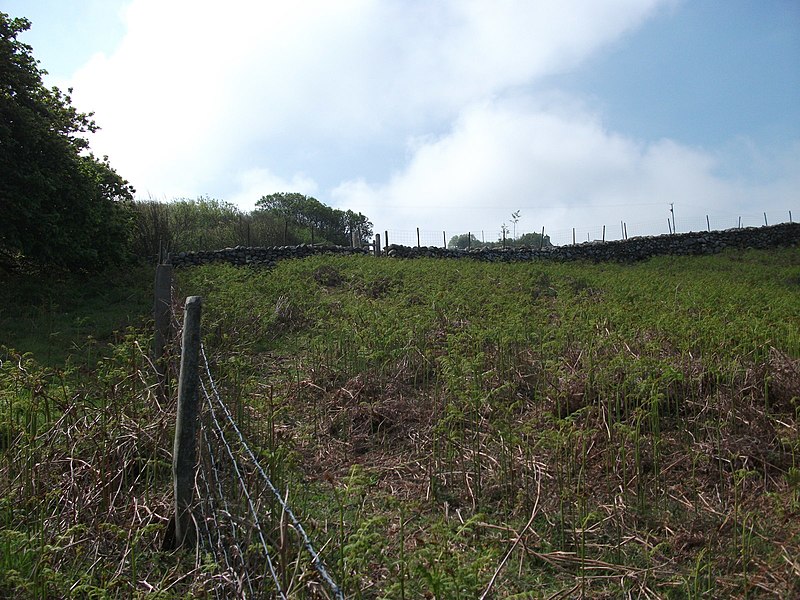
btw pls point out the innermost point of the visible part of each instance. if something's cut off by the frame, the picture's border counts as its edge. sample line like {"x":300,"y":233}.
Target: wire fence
{"x":248,"y":480}
{"x":610,"y":231}
{"x":247,"y":534}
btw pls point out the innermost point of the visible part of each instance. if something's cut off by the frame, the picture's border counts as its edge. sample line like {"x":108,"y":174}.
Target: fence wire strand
{"x":242,"y":576}
{"x":251,"y":506}
{"x":316,"y":561}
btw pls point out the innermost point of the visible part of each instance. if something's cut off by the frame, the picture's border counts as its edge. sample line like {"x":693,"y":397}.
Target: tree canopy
{"x":467,"y":240}
{"x":60,"y":205}
{"x":328,"y":224}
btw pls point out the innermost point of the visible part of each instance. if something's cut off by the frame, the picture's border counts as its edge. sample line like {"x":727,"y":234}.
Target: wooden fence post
{"x":184,"y":452}
{"x":418,"y":237}
{"x":162,"y":314}
{"x":604,"y":233}
{"x":377,"y":247}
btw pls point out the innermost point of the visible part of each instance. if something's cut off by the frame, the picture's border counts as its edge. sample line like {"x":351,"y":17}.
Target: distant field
{"x":444,"y":429}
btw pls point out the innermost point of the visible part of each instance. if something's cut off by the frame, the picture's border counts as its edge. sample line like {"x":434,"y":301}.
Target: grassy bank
{"x":593,"y":426}
{"x":58,"y":316}
{"x":443,"y":429}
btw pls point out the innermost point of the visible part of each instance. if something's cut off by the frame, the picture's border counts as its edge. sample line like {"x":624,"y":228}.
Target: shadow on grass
{"x":58,"y":316}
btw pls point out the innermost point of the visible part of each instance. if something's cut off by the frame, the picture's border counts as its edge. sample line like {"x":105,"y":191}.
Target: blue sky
{"x":702,"y":75}
{"x":445,"y":115}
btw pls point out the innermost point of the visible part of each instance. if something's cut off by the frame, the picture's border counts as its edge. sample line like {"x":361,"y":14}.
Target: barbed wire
{"x":316,"y":561}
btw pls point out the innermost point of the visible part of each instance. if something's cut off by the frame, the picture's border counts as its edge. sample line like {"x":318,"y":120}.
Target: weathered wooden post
{"x":377,"y":247}
{"x":162,"y":314}
{"x":444,"y":240}
{"x":765,"y":220}
{"x":708,"y":223}
{"x":184,"y":453}
{"x":418,"y":245}
{"x":386,"y":240}
{"x":573,"y":236}
{"x":604,"y":233}
{"x":541,"y":241}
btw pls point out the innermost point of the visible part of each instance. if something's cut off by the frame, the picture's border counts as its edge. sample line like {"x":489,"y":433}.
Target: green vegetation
{"x":466,"y":241}
{"x":71,"y":318}
{"x":63,"y":209}
{"x":61,"y":206}
{"x":207,"y":224}
{"x":445,"y":429}
{"x":604,"y":425}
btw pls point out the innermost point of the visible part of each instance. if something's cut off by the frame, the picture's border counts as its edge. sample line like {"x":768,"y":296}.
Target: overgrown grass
{"x":639,"y":419}
{"x":55,"y":316}
{"x":444,"y":430}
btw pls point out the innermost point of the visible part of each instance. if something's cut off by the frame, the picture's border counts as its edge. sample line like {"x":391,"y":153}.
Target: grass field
{"x":445,"y":429}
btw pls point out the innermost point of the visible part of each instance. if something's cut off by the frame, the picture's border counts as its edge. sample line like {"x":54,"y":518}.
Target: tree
{"x":59,"y":204}
{"x":304,"y":215}
{"x":515,"y":219}
{"x":534,"y":240}
{"x":464,"y":241}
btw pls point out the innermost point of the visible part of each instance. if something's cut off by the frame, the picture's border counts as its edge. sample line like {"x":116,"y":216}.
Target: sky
{"x":446,"y":115}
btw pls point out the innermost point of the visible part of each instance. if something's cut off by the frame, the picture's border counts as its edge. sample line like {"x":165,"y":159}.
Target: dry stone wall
{"x":265,"y":257}
{"x":630,"y":250}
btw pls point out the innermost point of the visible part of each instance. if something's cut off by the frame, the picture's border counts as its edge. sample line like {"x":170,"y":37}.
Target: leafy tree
{"x":534,"y":240}
{"x":60,"y":205}
{"x":305,"y":216}
{"x":356,"y":222}
{"x":464,"y":241}
{"x":515,"y":220}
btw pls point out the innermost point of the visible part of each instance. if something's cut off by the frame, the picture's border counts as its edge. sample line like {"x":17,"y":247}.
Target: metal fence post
{"x":184,"y":452}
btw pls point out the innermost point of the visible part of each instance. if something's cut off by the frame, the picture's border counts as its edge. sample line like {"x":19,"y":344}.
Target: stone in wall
{"x":630,"y":250}
{"x":256,"y":256}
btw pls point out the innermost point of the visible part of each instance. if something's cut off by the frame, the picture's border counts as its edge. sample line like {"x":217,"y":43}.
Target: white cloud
{"x":413,"y":112}
{"x":252,"y":183}
{"x":558,"y":165}
{"x":196,"y":90}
